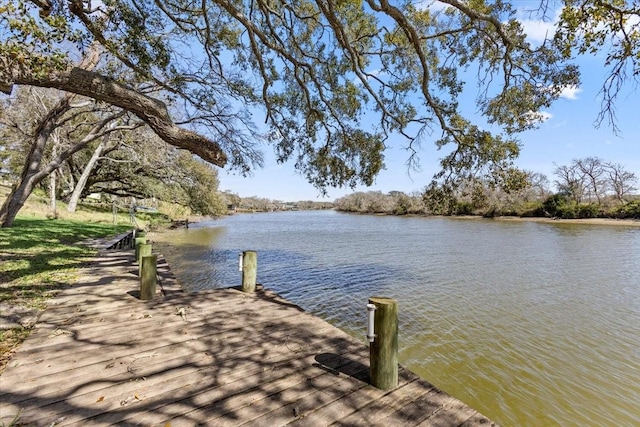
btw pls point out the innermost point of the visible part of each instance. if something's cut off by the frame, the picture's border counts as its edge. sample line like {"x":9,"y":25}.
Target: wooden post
{"x":139,"y":241}
{"x":249,"y":271}
{"x":148,"y":277}
{"x":144,"y":250}
{"x":383,"y":351}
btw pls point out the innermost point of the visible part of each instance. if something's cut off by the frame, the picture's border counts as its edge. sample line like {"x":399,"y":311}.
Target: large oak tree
{"x":335,"y":79}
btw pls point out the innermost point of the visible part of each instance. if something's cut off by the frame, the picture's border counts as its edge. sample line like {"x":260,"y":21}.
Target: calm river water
{"x":532,"y":324}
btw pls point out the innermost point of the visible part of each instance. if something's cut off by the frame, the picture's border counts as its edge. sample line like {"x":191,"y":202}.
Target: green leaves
{"x":350,"y":158}
{"x":335,"y":78}
{"x":609,"y":27}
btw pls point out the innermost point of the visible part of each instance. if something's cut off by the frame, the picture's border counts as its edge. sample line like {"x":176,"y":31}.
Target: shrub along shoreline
{"x":553,"y":207}
{"x":586,"y":221}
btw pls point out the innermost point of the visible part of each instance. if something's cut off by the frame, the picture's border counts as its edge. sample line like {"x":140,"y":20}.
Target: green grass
{"x":40,"y":256}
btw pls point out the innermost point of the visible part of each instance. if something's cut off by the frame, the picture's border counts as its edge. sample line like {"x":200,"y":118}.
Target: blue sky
{"x":568,"y":133}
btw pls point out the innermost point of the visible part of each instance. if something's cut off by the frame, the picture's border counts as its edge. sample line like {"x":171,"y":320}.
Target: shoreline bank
{"x":582,"y":221}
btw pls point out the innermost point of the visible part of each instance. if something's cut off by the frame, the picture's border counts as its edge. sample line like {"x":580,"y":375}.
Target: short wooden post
{"x":144,"y":250}
{"x":249,"y":271}
{"x":383,"y":351}
{"x":148,"y":277}
{"x":138,"y":241}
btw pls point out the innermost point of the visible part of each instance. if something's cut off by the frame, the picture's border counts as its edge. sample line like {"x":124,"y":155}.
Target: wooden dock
{"x":101,"y":356}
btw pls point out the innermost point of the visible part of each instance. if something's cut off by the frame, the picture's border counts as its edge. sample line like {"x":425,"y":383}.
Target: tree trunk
{"x":52,"y":195}
{"x":18,"y":196}
{"x":52,"y":177}
{"x":82,"y":181}
{"x":34,"y":174}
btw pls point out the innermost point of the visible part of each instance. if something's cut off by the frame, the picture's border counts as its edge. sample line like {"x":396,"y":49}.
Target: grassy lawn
{"x":38,"y":257}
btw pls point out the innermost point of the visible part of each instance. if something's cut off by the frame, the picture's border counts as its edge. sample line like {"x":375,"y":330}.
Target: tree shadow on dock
{"x":219,"y":357}
{"x":336,"y":364}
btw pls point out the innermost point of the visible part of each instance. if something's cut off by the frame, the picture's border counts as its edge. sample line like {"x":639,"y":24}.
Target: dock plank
{"x":100,"y":356}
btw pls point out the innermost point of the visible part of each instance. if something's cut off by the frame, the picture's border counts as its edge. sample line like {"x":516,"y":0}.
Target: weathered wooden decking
{"x":100,"y":356}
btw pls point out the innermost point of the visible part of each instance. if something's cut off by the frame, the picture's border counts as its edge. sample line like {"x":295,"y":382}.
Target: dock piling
{"x":148,"y":276}
{"x":137,"y":242}
{"x":383,"y":351}
{"x":144,"y":249}
{"x":249,"y":271}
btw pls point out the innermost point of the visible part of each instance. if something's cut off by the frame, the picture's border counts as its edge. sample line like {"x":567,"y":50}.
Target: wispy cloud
{"x":559,"y":125}
{"x":570,"y":92}
{"x":432,"y":5}
{"x":538,"y":30}
{"x":538,"y":117}
{"x":545,"y":115}
{"x":370,"y":74}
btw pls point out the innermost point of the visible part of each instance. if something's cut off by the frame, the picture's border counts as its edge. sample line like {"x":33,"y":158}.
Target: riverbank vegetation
{"x":74,"y":153}
{"x":93,"y":90}
{"x":587,"y":188}
{"x":260,"y":204}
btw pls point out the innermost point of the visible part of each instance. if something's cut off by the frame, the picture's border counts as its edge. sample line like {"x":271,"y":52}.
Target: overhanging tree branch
{"x":94,"y":85}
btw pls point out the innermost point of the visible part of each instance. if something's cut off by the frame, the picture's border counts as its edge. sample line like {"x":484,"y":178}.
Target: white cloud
{"x":539,"y":117}
{"x":370,"y":76}
{"x":544,"y":116}
{"x":538,"y":31}
{"x":432,"y":5}
{"x":631,"y":23}
{"x":535,"y":27}
{"x":570,"y":92}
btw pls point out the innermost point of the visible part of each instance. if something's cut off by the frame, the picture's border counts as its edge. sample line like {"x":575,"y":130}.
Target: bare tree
{"x":592,"y":168}
{"x":88,"y":168}
{"x":540,"y":184}
{"x":571,"y":181}
{"x":621,"y":181}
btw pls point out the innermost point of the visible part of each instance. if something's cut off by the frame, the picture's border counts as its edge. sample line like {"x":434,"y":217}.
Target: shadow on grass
{"x":38,"y":256}
{"x":27,"y":233}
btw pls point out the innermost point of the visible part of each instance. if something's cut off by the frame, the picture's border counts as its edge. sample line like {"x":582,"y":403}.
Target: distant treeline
{"x":236,"y":203}
{"x":587,"y":188}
